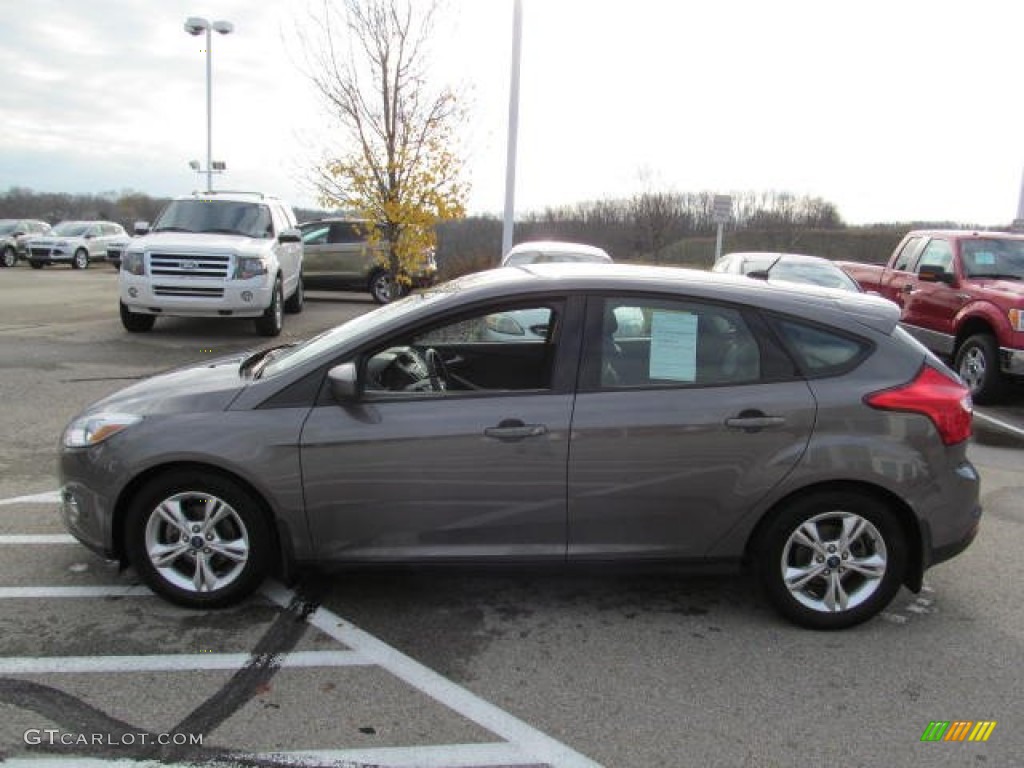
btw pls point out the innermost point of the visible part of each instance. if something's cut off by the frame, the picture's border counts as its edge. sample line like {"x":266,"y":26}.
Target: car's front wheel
{"x":297,"y":300}
{"x":9,"y":258}
{"x":135,"y":322}
{"x":832,"y":560}
{"x":271,"y":322}
{"x":198,"y":539}
{"x":80,"y":259}
{"x":383,"y":287}
{"x":977,"y":362}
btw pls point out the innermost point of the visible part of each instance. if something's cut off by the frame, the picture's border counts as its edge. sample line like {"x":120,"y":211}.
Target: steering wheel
{"x":437,"y":371}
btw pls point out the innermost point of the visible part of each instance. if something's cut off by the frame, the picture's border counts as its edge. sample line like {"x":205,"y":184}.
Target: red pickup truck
{"x":961,"y":294}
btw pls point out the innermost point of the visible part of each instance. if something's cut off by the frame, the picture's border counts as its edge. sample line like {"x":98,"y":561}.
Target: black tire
{"x":382,"y":287}
{"x":221,"y":535}
{"x":977,"y":362}
{"x":834,"y":562}
{"x":36,"y":264}
{"x":80,"y":260}
{"x":9,"y":257}
{"x":135,"y":322}
{"x":297,"y":300}
{"x":272,"y":321}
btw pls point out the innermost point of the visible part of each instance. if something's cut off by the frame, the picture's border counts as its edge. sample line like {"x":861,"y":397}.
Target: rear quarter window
{"x":821,"y":351}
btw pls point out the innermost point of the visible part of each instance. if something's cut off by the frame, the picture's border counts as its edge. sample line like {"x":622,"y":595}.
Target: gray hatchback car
{"x":798,"y":432}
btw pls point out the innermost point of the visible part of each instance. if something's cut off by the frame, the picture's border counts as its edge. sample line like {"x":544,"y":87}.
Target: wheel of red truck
{"x":977,"y":362}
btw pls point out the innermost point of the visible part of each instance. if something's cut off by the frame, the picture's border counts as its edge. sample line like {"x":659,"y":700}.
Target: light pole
{"x":195,"y":26}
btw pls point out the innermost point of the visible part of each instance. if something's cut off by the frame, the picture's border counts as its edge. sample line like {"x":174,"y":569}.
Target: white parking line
{"x":14,"y":593}
{"x":51,"y":497}
{"x":524,"y":746}
{"x":532,"y":742}
{"x":1005,"y":425}
{"x":170,"y":662}
{"x":38,"y":538}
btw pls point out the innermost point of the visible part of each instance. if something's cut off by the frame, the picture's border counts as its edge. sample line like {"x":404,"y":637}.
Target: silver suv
{"x":73,"y":242}
{"x":214,"y":254}
{"x":339,"y":257}
{"x":14,"y":233}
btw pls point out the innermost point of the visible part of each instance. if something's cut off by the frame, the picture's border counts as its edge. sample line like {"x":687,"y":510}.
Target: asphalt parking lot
{"x":455,"y":668}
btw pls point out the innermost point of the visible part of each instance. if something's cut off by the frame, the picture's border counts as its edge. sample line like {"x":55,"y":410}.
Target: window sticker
{"x":984,"y":258}
{"x":673,"y":345}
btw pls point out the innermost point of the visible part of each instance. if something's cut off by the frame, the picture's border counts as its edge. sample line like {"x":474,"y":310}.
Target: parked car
{"x":116,"y":249}
{"x":339,"y":256}
{"x":962,"y":296}
{"x":544,"y":251}
{"x":790,"y":267}
{"x":14,"y":233}
{"x":798,"y":431}
{"x":73,"y":242}
{"x":531,"y":323}
{"x":214,"y":254}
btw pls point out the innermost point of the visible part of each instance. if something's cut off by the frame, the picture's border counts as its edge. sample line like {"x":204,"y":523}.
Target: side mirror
{"x":292,"y":235}
{"x":344,"y":382}
{"x":933,"y":273}
{"x":141,"y":228}
{"x":758,"y":274}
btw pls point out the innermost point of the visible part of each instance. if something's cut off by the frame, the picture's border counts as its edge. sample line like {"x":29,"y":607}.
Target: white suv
{"x":214,"y":254}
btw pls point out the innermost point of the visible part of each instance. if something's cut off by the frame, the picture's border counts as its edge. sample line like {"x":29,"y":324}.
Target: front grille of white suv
{"x":189,"y":265}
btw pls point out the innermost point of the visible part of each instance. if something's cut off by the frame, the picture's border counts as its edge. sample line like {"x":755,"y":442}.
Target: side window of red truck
{"x":939,"y":253}
{"x":907,"y":254}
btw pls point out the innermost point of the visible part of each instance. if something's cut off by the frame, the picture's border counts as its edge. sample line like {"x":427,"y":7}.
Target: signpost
{"x":721,"y":212}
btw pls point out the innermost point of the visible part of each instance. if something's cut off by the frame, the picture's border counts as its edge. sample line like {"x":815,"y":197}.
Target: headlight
{"x":1017,"y":320}
{"x":250,"y":267}
{"x":133,"y":263}
{"x":91,"y":430}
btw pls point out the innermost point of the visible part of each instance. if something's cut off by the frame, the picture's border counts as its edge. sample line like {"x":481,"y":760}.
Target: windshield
{"x":7,"y":227}
{"x":226,"y":217}
{"x":993,"y":257}
{"x":287,"y":359}
{"x":814,"y":274}
{"x":71,"y":228}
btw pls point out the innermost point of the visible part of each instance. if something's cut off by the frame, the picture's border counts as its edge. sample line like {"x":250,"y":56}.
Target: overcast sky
{"x":894,"y":110}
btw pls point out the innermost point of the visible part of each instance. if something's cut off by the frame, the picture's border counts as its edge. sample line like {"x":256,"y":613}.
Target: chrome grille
{"x":188,"y":265}
{"x":191,"y":291}
{"x":40,"y":253}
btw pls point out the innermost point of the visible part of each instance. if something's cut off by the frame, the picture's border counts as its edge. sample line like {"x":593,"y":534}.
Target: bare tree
{"x":396,"y":163}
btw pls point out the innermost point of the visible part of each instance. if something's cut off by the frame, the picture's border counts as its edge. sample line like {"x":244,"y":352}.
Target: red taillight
{"x":945,"y":401}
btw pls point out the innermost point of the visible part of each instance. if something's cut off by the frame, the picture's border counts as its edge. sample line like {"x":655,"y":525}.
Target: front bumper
{"x":1011,"y":361}
{"x":195,"y":298}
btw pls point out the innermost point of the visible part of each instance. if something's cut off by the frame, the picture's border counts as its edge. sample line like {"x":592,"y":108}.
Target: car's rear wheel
{"x":297,"y":300}
{"x":383,"y":287}
{"x":832,"y":560}
{"x":272,"y":321}
{"x":9,"y":257}
{"x":977,"y":362}
{"x":80,"y":259}
{"x":135,"y":322}
{"x":198,"y":539}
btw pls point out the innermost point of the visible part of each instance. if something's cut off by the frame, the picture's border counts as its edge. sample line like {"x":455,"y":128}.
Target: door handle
{"x":513,"y":429}
{"x":908,"y":288}
{"x":754,"y":421}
